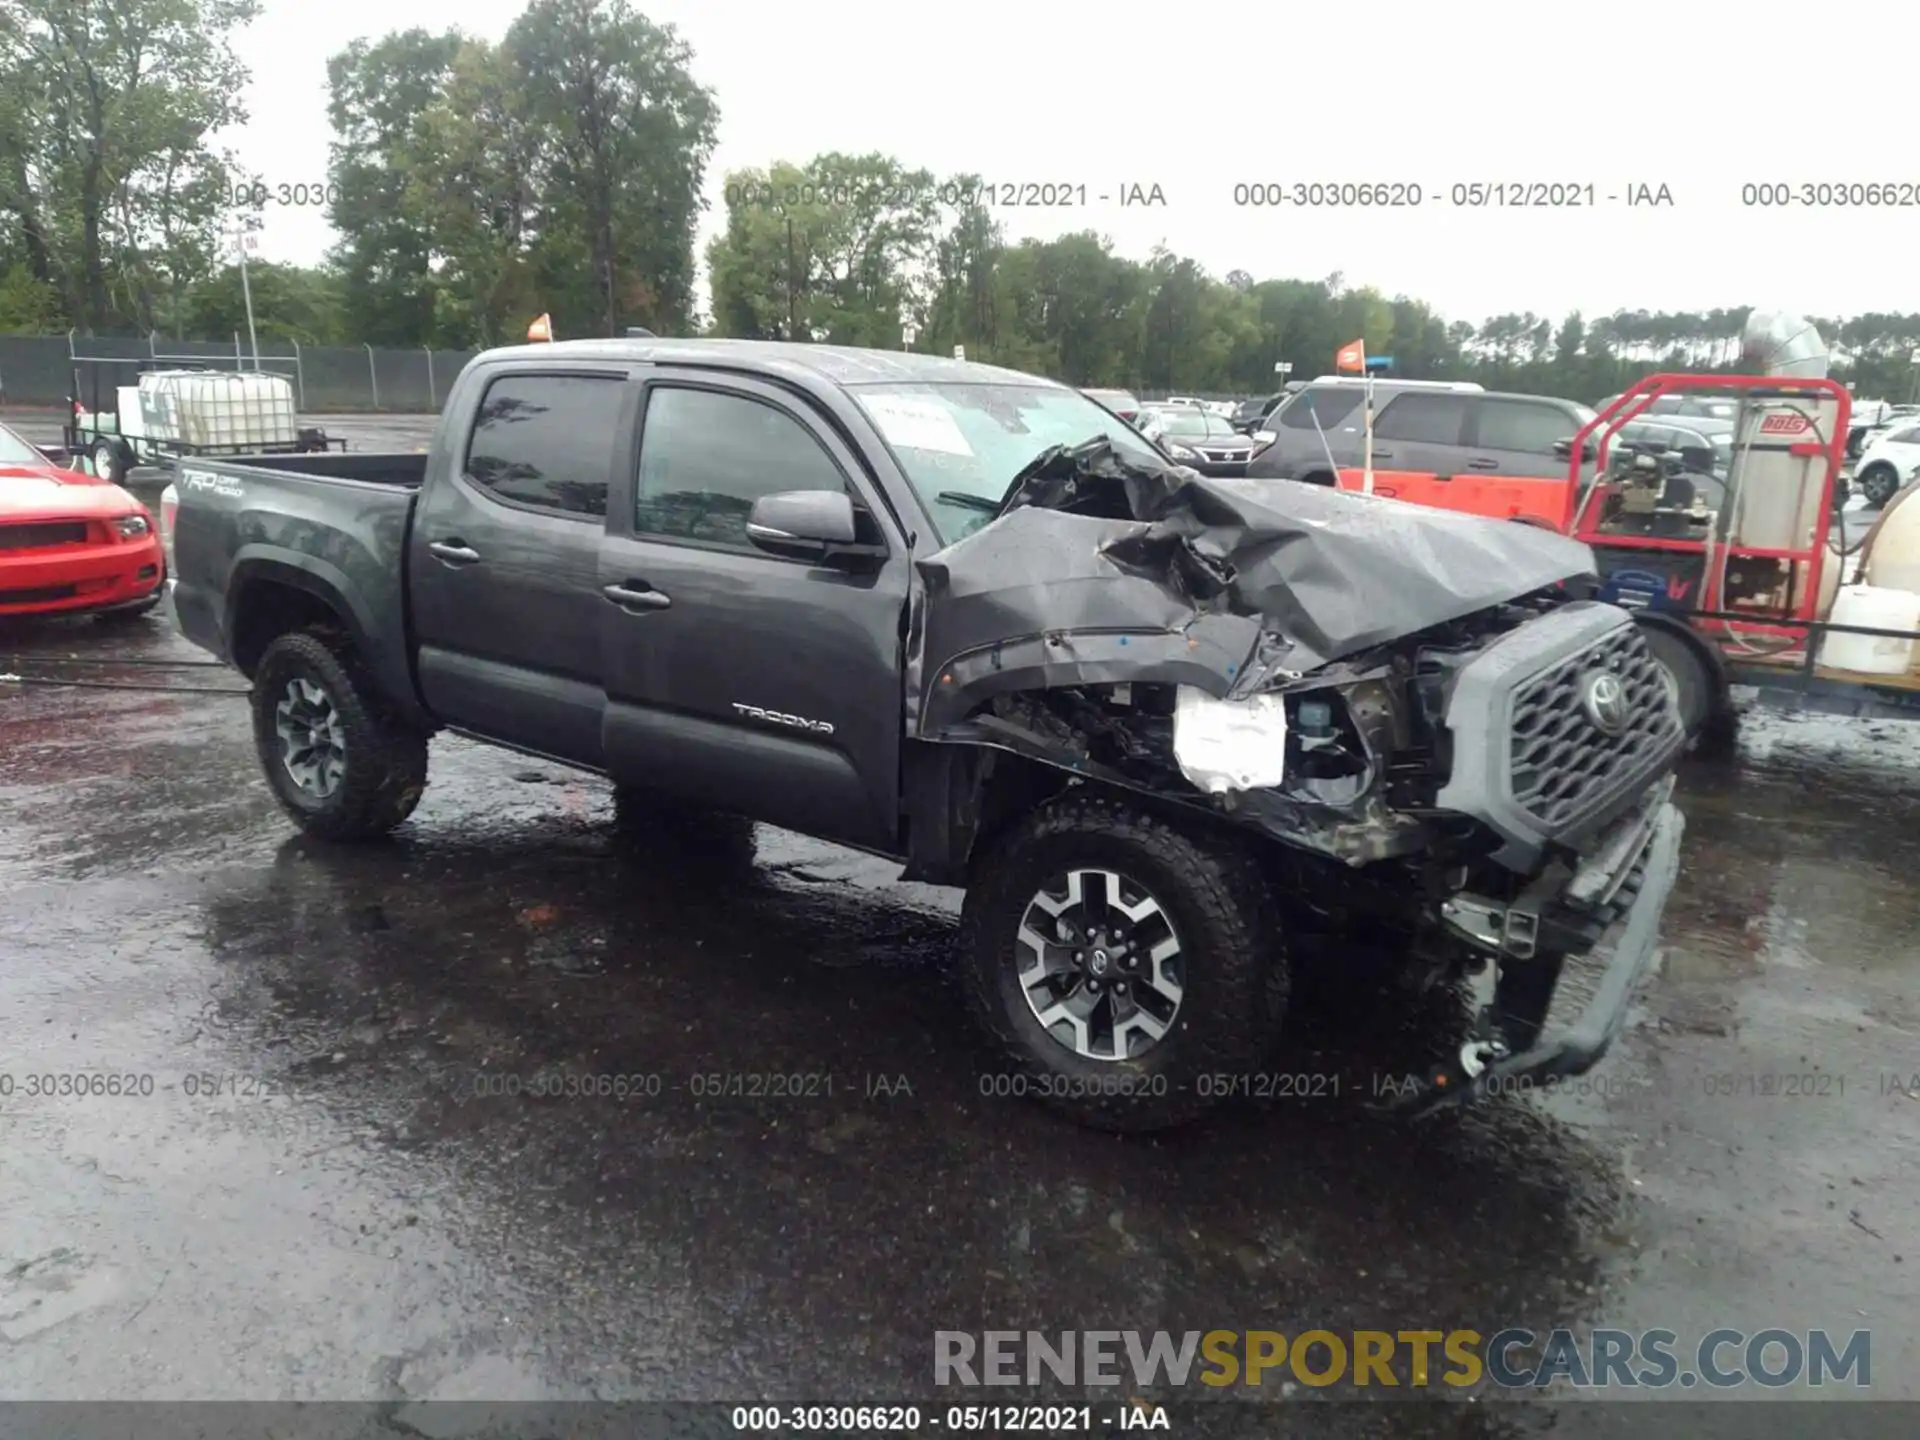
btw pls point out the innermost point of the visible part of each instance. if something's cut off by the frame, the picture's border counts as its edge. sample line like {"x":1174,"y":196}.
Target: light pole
{"x":249,"y":227}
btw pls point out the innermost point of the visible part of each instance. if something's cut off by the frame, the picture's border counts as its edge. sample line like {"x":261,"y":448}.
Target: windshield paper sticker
{"x":915,"y":424}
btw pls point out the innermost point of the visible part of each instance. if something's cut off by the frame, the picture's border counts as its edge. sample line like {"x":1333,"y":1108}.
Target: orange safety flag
{"x":541,"y":329}
{"x":1351,"y":357}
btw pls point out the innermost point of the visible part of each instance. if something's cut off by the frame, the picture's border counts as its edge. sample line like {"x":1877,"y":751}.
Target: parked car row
{"x":1872,"y":420}
{"x":1311,"y":430}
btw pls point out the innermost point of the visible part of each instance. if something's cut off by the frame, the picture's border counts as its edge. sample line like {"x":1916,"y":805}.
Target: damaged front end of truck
{"x":1401,"y":700}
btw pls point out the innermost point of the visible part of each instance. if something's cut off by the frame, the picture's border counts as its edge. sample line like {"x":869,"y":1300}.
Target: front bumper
{"x":1640,"y":859}
{"x":81,"y":578}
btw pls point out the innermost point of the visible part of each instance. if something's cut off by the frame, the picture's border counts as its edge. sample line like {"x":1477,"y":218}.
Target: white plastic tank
{"x":212,"y":409}
{"x":1871,"y":608}
{"x":1893,"y":547}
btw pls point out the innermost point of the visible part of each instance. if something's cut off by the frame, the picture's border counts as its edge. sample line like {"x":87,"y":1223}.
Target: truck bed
{"x":406,"y":469}
{"x":332,"y":525}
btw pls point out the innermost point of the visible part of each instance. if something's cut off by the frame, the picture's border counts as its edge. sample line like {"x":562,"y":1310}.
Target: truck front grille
{"x":1563,"y":763}
{"x":1528,"y":761}
{"x":43,"y":534}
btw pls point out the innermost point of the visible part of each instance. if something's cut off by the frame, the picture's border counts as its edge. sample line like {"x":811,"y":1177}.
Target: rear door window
{"x":547,"y":441}
{"x":1528,"y":427}
{"x":1330,"y":406}
{"x":1423,"y":418}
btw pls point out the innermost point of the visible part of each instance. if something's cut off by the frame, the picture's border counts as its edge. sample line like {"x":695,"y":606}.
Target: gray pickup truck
{"x":1156,"y":725}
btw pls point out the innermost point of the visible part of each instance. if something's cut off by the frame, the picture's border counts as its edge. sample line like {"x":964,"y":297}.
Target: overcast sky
{"x":1200,"y":97}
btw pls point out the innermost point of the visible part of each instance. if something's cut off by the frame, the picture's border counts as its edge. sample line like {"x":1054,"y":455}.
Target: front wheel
{"x":338,"y":761}
{"x":1126,"y":969}
{"x":1879,"y":483}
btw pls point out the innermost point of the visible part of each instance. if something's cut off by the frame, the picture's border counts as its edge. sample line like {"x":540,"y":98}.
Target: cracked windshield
{"x":961,"y":445}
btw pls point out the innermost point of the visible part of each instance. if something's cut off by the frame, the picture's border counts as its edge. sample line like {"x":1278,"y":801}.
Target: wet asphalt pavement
{"x":317,"y":1187}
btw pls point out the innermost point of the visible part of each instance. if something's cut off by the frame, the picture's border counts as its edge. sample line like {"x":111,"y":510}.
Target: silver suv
{"x":1293,"y":447}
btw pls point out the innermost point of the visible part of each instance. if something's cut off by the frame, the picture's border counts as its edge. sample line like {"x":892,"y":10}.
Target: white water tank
{"x":1893,"y":550}
{"x":216,"y":410}
{"x":1872,"y":608}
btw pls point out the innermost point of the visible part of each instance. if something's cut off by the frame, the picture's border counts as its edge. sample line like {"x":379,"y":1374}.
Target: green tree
{"x":28,"y":306}
{"x":847,"y":250}
{"x":290,"y":302}
{"x":560,"y":170}
{"x":474,"y":181}
{"x":377,"y":93}
{"x":628,"y":135}
{"x":106,"y":159}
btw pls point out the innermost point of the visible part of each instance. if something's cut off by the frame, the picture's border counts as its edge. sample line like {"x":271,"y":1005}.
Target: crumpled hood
{"x":1100,"y":570}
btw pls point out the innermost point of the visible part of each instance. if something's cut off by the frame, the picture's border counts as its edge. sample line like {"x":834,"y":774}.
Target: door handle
{"x":1483,"y":464}
{"x":454,"y":552}
{"x":636,"y":595}
{"x":1383,"y":454}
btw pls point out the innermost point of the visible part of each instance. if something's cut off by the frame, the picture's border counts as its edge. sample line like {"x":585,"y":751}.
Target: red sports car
{"x":71,"y":543}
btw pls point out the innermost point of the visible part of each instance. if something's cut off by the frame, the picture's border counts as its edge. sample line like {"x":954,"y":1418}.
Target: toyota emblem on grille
{"x":1604,"y":699}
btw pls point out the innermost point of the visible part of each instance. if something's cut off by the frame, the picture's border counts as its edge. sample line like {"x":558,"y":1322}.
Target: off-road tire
{"x":386,"y":765}
{"x":1234,"y":985}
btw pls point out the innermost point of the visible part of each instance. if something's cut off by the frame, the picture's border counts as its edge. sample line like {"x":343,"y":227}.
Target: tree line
{"x":563,"y":169}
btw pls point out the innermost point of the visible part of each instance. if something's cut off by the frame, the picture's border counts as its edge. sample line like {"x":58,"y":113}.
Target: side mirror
{"x":1564,"y":448}
{"x":802,"y":524}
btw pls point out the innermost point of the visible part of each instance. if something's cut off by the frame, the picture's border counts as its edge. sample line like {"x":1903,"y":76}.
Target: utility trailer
{"x":167,"y":412}
{"x":1746,"y":581}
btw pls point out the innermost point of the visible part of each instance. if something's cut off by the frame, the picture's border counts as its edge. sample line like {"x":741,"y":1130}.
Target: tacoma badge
{"x":774,"y":717}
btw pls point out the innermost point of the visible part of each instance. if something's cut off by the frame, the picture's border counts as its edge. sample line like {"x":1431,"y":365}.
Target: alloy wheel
{"x":1100,"y":965}
{"x":313,"y":743}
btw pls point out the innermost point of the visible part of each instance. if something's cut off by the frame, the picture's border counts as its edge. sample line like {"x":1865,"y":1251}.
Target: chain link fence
{"x":38,"y":370}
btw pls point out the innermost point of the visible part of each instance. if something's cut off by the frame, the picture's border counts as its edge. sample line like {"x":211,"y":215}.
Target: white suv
{"x":1890,"y":461}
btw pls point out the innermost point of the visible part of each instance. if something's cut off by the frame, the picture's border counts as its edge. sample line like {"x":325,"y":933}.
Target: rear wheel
{"x":1879,"y":483}
{"x":336,"y":757}
{"x":1123,"y":967}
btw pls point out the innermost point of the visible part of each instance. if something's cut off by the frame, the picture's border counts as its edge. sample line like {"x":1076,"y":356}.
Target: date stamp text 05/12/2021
{"x":1016,"y":194}
{"x":1491,"y":193}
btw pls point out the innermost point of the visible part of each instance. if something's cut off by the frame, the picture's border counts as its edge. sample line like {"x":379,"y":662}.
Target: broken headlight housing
{"x":1304,"y":744}
{"x":1327,"y":758}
